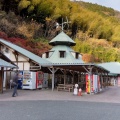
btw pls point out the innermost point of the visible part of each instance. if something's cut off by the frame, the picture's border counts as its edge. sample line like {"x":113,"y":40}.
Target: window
{"x":62,"y":54}
{"x":76,"y":55}
{"x":47,"y":54}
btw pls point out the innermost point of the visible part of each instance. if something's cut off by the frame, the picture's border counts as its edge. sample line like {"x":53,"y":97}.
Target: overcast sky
{"x":115,"y":4}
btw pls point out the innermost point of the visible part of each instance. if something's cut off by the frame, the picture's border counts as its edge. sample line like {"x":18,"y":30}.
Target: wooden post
{"x":73,"y":78}
{"x":78,"y":77}
{"x":53,"y":75}
{"x":1,"y":80}
{"x":64,"y":76}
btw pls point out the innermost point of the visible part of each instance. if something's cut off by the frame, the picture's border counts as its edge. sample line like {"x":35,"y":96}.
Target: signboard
{"x":92,"y":83}
{"x":119,"y":81}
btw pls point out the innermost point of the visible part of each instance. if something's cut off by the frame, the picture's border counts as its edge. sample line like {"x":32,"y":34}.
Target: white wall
{"x":25,"y":65}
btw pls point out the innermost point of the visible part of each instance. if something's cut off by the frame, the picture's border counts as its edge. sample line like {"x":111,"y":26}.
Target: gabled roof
{"x":3,"y":63}
{"x":26,"y":53}
{"x":6,"y":62}
{"x":62,"y":39}
{"x":5,"y":58}
{"x":113,"y":67}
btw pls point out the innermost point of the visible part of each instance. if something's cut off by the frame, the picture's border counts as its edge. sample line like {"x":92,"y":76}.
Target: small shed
{"x":113,"y":67}
{"x":114,"y":74}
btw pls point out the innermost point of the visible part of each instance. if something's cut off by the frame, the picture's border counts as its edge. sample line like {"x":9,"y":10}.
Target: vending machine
{"x":29,"y":80}
{"x":32,"y":80}
{"x":39,"y":79}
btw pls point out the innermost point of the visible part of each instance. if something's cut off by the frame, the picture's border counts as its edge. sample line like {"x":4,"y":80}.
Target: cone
{"x":80,"y":92}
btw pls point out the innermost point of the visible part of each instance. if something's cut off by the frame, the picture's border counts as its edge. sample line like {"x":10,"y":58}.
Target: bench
{"x":63,"y":87}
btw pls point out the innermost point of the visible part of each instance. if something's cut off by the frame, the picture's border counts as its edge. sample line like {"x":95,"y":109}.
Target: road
{"x":58,"y":110}
{"x":48,"y":105}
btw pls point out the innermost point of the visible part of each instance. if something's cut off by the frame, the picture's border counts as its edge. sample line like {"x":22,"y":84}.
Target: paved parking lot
{"x":110,"y":94}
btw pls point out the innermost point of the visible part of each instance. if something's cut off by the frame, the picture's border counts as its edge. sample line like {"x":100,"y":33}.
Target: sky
{"x":115,"y":4}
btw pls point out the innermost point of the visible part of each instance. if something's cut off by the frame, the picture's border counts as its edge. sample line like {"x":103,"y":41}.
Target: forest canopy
{"x":35,"y":20}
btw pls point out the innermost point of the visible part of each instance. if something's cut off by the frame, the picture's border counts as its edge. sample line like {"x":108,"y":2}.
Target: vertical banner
{"x":91,"y":79}
{"x":99,"y":86}
{"x":95,"y":83}
{"x":87,"y":83}
{"x":119,"y":81}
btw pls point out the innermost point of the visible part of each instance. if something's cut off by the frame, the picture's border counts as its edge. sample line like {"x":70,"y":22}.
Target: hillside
{"x":31,"y":24}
